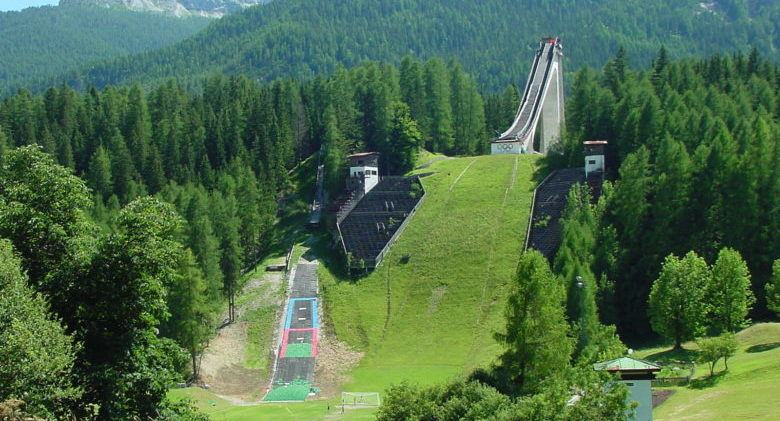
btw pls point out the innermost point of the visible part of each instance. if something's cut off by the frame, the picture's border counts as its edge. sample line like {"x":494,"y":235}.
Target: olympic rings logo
{"x":506,"y":147}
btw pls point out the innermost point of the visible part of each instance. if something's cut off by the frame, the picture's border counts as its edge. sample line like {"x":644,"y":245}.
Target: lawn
{"x":220,"y":409}
{"x":433,"y":318}
{"x":428,"y":320}
{"x":749,"y":390}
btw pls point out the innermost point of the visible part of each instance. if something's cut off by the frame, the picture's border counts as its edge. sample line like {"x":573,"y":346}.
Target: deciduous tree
{"x":677,"y":303}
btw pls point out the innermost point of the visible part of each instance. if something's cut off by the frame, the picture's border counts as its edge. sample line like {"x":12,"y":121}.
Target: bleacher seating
{"x":545,"y":234}
{"x":371,"y":224}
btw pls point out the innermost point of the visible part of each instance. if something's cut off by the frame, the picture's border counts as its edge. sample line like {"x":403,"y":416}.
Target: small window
{"x":360,"y":162}
{"x":629,"y":384}
{"x":591,"y":162}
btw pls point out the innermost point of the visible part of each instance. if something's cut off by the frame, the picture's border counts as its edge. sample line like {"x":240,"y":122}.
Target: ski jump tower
{"x":541,"y":107}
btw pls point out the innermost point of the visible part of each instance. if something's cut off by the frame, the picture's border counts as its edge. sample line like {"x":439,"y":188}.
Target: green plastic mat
{"x":297,"y":350}
{"x":296,"y":391}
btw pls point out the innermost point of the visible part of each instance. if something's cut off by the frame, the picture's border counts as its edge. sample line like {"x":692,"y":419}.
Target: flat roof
{"x":595,"y":142}
{"x":362,"y":154}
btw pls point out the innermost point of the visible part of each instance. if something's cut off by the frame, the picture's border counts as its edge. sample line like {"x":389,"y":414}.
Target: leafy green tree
{"x":405,"y":140}
{"x":460,"y":400}
{"x":41,"y":212}
{"x":677,"y":303}
{"x":711,"y":350}
{"x":129,"y":369}
{"x":36,"y":355}
{"x":773,"y":288}
{"x":729,"y":296}
{"x":536,"y":344}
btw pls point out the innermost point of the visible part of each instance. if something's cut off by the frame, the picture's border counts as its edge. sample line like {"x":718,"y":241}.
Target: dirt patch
{"x":334,"y":360}
{"x":660,"y":396}
{"x":222,"y":365}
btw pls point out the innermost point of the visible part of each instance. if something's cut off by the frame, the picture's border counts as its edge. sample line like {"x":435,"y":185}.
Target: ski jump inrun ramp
{"x":541,"y":107}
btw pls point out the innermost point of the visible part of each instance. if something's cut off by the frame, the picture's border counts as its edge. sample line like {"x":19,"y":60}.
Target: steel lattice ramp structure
{"x":541,"y":107}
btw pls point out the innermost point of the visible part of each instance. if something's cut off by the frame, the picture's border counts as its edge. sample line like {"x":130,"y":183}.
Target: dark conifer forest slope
{"x":492,"y":38}
{"x":43,"y":42}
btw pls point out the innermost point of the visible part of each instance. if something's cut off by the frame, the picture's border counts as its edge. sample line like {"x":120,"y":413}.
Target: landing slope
{"x":433,"y":317}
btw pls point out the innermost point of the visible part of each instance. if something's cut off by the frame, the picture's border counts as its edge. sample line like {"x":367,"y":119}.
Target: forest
{"x":695,"y":167}
{"x":180,"y":188}
{"x":77,"y":35}
{"x":492,"y":39}
{"x":152,"y":202}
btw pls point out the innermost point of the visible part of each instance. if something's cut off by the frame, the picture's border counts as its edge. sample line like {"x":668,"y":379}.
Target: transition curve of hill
{"x":491,"y":38}
{"x":434,"y":316}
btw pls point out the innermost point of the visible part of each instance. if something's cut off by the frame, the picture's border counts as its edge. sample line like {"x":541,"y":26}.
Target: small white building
{"x":594,"y":156}
{"x":637,"y":375}
{"x":363,"y":171}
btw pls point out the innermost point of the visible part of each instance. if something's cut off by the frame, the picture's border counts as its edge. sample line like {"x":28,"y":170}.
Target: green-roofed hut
{"x":637,"y":375}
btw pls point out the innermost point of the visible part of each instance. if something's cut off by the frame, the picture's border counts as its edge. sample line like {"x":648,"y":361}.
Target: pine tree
{"x":437,"y":125}
{"x":535,"y":341}
{"x":99,"y":173}
{"x":190,"y":323}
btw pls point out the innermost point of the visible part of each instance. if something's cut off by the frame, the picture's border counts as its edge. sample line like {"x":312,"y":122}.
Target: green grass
{"x":448,"y":300}
{"x":261,"y":324}
{"x":749,"y":390}
{"x":445,"y":303}
{"x":219,"y":409}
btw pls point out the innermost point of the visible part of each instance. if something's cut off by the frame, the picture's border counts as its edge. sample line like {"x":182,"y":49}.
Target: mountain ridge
{"x":178,"y":8}
{"x":492,"y":39}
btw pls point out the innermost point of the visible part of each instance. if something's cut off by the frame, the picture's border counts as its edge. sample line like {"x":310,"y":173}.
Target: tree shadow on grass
{"x":673,"y":355}
{"x":763,"y":347}
{"x":707,"y":382}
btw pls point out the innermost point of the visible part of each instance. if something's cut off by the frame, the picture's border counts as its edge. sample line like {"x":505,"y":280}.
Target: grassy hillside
{"x":749,"y":390}
{"x":39,"y":43}
{"x":433,"y":317}
{"x":444,"y":304}
{"x":493,"y":39}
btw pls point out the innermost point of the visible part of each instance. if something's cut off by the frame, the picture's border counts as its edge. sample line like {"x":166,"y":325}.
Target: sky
{"x":6,"y":5}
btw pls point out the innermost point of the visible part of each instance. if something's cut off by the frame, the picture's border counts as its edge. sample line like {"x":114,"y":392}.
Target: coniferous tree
{"x":191,"y":316}
{"x":99,"y":173}
{"x":535,"y":339}
{"x":437,"y":124}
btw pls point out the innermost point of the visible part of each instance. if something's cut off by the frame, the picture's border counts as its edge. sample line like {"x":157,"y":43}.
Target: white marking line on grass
{"x":511,"y":181}
{"x":452,"y":186}
{"x":491,"y":251}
